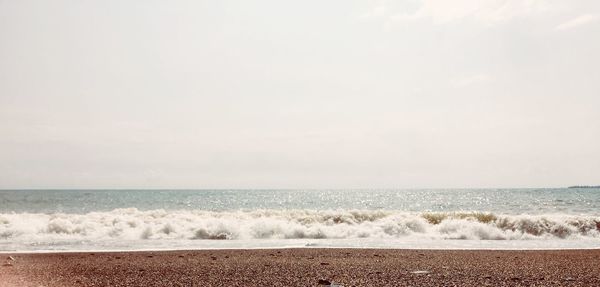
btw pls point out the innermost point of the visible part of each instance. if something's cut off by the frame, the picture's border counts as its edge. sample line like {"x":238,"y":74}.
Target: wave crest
{"x":134,"y":224}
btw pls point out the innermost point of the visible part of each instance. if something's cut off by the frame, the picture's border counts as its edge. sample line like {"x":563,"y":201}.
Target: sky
{"x":299,"y":94}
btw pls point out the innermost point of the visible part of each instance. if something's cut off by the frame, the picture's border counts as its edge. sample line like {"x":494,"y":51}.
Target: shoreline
{"x":365,"y":243}
{"x":303,"y":267}
{"x":42,"y":252}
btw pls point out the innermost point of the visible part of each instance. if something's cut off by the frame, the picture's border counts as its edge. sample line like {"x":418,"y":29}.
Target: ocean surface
{"x":76,"y":220}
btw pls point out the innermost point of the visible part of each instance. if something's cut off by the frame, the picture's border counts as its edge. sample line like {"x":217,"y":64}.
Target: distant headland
{"x":585,"y":186}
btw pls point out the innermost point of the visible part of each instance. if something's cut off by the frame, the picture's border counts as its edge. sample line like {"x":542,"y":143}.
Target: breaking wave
{"x":134,"y":224}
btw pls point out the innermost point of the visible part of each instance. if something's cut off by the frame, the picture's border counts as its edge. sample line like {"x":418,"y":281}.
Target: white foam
{"x":162,"y":229}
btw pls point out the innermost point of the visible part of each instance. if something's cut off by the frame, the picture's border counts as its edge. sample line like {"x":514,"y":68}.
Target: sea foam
{"x":156,"y":225}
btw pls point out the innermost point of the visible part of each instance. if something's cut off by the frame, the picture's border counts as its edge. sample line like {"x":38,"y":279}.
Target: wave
{"x":134,"y":224}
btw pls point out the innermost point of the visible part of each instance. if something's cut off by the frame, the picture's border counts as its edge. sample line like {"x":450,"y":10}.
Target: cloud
{"x":581,"y":20}
{"x":470,"y":80}
{"x":485,"y":11}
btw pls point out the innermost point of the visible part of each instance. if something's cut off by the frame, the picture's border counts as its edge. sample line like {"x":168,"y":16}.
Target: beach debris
{"x":9,"y":260}
{"x":420,"y":272}
{"x":324,"y":263}
{"x":213,"y":257}
{"x":329,"y":283}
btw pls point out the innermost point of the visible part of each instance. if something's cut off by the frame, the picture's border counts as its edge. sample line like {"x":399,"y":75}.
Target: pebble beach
{"x":303,"y":267}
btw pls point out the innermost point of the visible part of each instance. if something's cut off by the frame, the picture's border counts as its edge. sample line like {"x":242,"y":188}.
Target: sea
{"x":118,"y":220}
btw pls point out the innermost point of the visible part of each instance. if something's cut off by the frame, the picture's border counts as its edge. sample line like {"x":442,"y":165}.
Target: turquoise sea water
{"x":510,"y":201}
{"x":45,"y":220}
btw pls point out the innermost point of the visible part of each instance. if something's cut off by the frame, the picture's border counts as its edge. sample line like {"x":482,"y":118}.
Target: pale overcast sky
{"x":299,"y":94}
